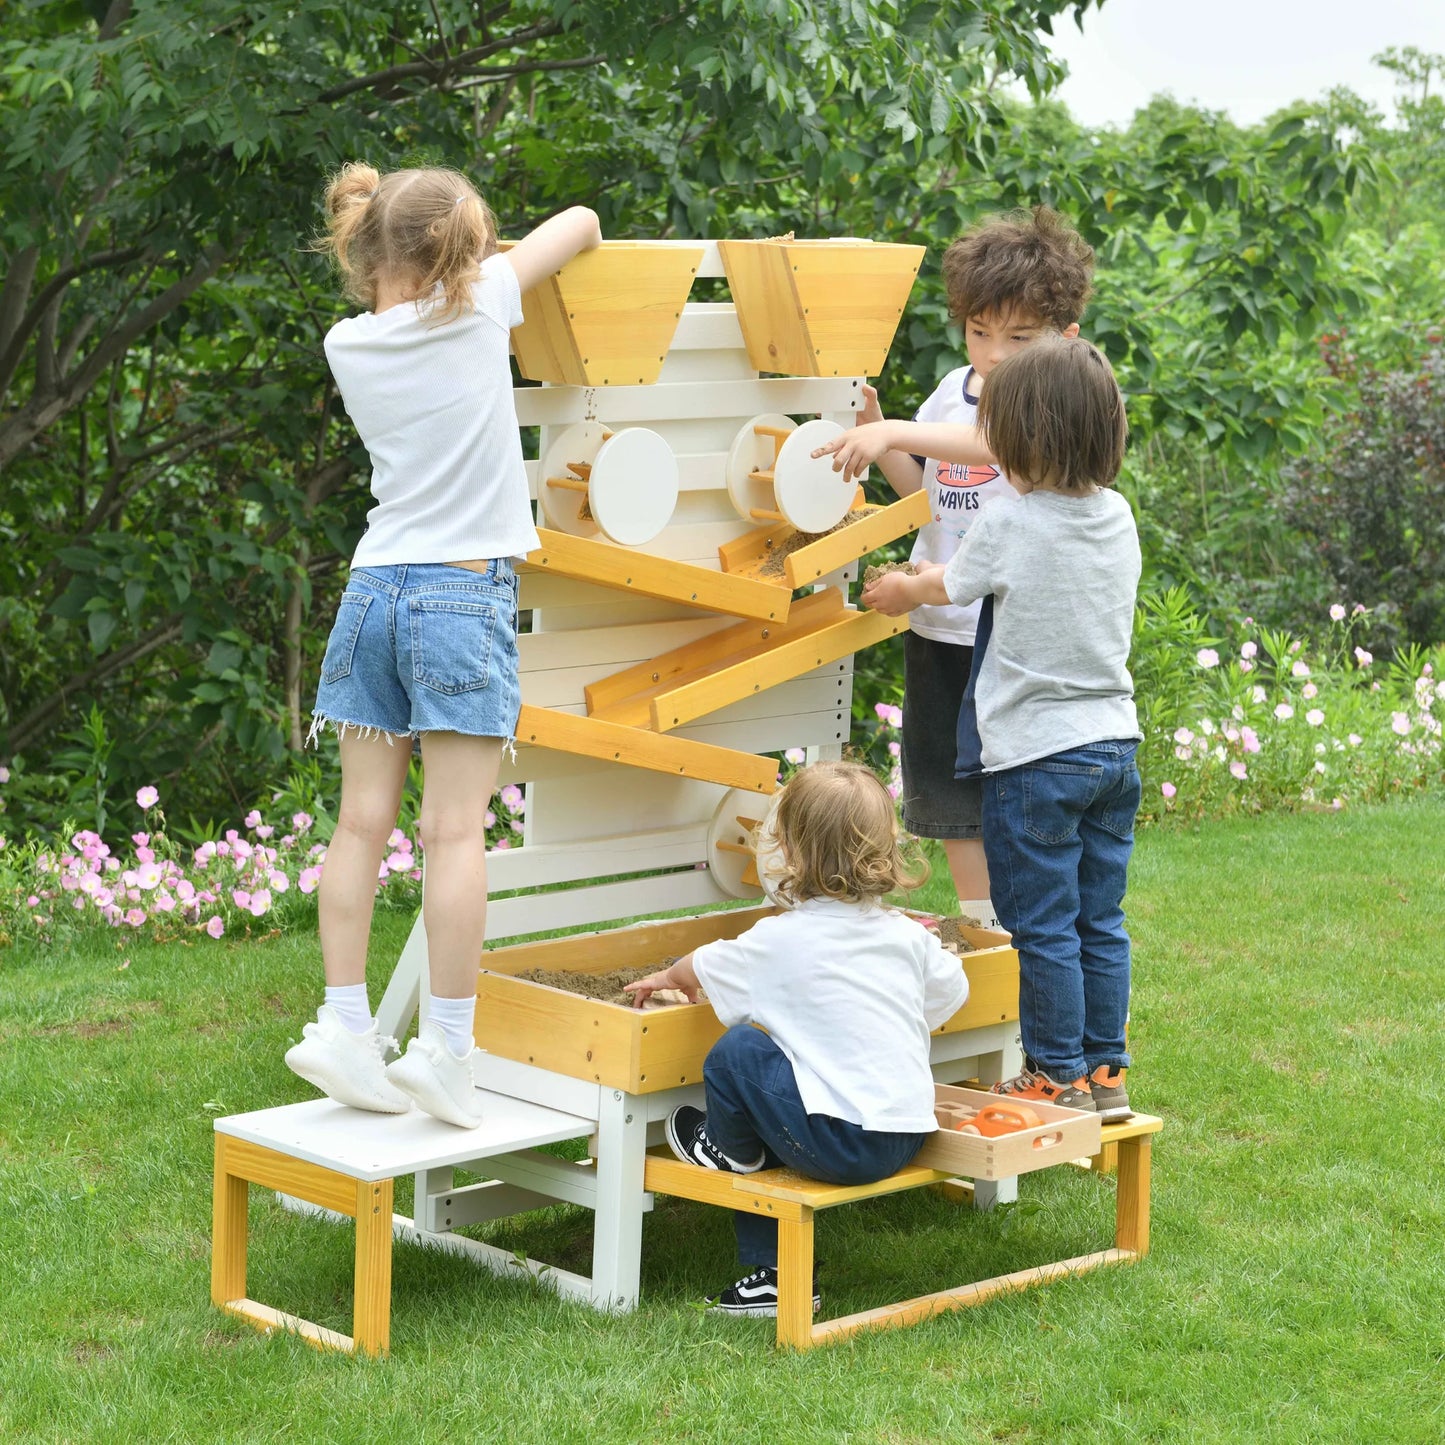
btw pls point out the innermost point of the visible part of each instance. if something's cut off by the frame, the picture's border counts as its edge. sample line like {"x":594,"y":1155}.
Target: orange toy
{"x":995,"y":1119}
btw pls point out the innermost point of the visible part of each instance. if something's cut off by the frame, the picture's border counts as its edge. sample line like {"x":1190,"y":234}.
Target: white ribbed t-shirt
{"x":433,"y":404}
{"x":849,"y":992}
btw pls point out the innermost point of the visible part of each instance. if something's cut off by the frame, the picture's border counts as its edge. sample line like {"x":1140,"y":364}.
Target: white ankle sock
{"x":454,"y":1016}
{"x":981,"y":909}
{"x":351,"y":1005}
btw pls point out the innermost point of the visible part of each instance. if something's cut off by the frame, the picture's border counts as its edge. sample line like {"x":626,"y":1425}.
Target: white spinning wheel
{"x":622,"y":484}
{"x":730,"y":842}
{"x":772,"y":475}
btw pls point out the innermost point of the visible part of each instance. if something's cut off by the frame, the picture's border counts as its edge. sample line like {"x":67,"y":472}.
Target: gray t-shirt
{"x":1063,"y":572}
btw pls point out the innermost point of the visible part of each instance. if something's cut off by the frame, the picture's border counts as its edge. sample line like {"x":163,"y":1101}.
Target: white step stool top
{"x":382,"y":1146}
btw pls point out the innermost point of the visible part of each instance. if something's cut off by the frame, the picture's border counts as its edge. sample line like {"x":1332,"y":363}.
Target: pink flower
{"x":1337,"y":613}
{"x":894,"y":789}
{"x":501,"y":844}
{"x":1239,"y":770}
{"x":1183,"y":737}
{"x":33,"y":901}
{"x":308,"y":880}
{"x":1314,"y":717}
{"x":1249,"y":649}
{"x":1250,"y":739}
{"x":103,"y":897}
{"x":242,"y":849}
{"x":147,"y":798}
{"x":252,"y":818}
{"x":1355,"y":740}
{"x":140,"y":839}
{"x":1207,"y":657}
{"x":1357,"y":609}
{"x":512,"y":798}
{"x":1299,"y":670}
{"x":1293,"y":647}
{"x":1168,"y":789}
{"x":278,"y":880}
{"x":1400,"y":722}
{"x":796,"y":756}
{"x":240,"y":897}
{"x":185,"y":890}
{"x":135,"y":917}
{"x":1257,"y":694}
{"x":1309,"y":690}
{"x":1183,"y":754}
{"x":1245,"y":665}
{"x":4,"y":775}
{"x":214,"y":926}
{"x":489,"y":819}
{"x":164,"y":903}
{"x":260,"y":902}
{"x":1283,"y":711}
{"x":301,"y":821}
{"x":398,"y":862}
{"x":264,"y":830}
{"x":895,"y":750}
{"x":148,"y":876}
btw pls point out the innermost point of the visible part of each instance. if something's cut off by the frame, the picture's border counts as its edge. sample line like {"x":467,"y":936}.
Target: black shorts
{"x":935,"y":803}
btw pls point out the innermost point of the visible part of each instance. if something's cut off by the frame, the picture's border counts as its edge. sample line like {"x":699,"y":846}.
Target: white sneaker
{"x":347,"y":1067}
{"x":437,"y":1080}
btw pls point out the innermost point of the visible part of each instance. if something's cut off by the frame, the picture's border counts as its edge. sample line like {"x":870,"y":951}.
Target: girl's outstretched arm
{"x":553,"y":244}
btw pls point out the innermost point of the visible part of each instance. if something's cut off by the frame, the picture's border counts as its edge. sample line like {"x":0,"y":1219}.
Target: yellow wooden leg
{"x":371,"y":1317}
{"x":795,"y":1282}
{"x":1132,"y":1209}
{"x":228,"y":1230}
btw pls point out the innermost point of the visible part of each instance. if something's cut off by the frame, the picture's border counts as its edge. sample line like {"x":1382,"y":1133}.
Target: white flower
{"x":1337,"y":613}
{"x":1207,"y":657}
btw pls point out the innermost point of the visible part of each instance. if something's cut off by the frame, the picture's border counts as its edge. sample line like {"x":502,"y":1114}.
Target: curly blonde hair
{"x":427,"y":227}
{"x":837,"y":837}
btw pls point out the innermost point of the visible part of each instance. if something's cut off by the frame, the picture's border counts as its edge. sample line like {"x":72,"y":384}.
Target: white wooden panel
{"x":708,"y":326}
{"x":569,"y":908}
{"x":626,"y":800}
{"x":562,"y":405}
{"x":613,"y":610}
{"x":540,"y":863}
{"x":612,"y":648}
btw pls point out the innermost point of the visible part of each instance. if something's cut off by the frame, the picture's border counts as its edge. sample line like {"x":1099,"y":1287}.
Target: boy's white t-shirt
{"x":956,"y":493}
{"x":433,"y":404}
{"x":849,"y":993}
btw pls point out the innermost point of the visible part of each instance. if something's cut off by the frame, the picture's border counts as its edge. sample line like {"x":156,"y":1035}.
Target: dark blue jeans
{"x":1058,"y":834}
{"x":753,"y":1107}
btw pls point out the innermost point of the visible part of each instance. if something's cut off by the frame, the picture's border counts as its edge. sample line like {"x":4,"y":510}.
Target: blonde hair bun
{"x":353,"y":185}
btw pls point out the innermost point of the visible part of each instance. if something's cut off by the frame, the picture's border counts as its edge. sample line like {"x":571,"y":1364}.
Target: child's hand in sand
{"x":678,"y":975}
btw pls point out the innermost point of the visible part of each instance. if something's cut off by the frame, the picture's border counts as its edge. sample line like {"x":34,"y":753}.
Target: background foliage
{"x":181,"y":487}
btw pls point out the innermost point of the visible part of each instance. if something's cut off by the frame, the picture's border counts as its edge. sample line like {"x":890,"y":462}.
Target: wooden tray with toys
{"x":987,"y":1136}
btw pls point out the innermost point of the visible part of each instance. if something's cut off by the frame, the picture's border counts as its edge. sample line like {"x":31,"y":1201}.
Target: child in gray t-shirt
{"x":1056,"y":726}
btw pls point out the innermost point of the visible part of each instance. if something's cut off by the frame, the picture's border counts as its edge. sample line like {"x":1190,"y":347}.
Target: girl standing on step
{"x":839,"y":1087}
{"x":424,"y":645}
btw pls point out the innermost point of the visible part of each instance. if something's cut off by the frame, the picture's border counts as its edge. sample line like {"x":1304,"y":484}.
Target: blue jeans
{"x":753,"y":1108}
{"x":1058,"y":834}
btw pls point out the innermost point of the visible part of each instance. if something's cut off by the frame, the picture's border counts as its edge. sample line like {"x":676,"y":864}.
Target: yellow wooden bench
{"x":793,"y":1199}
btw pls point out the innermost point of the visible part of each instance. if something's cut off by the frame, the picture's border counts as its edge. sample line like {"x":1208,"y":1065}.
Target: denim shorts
{"x":422,"y":648}
{"x":935,"y":803}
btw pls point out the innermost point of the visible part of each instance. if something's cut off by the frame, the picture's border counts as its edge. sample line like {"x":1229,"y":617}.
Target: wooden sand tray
{"x":643,"y":1052}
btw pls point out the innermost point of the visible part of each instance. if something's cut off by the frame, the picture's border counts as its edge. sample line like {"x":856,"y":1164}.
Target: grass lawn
{"x":1289,"y":1007}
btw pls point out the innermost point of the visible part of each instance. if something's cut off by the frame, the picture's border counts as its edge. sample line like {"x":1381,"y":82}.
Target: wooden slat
{"x":578,"y":906}
{"x":228,"y":1228}
{"x":795,"y":1282}
{"x":290,"y":1176}
{"x":837,"y":549}
{"x":1132,"y":1196}
{"x":787,"y":1184}
{"x":542,"y":863}
{"x":672,"y":581}
{"x":766,"y":669}
{"x":909,"y":1312}
{"x":666,"y":1175}
{"x":267,"y":1319}
{"x":625,"y":696}
{"x":597,"y":738}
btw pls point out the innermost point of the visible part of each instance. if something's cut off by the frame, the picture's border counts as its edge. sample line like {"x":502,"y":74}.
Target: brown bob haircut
{"x":1024,"y":263}
{"x":1053,"y":414}
{"x":838,"y":837}
{"x":427,"y":227}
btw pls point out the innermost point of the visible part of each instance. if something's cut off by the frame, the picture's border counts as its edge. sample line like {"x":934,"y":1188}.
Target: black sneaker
{"x":687,"y":1138}
{"x":755,"y":1294}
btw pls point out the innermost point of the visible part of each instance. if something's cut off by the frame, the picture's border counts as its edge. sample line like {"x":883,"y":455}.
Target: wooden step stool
{"x":347,"y":1160}
{"x":792,"y":1199}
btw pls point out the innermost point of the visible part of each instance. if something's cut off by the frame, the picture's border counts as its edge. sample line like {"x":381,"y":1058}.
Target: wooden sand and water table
{"x":689,"y":616}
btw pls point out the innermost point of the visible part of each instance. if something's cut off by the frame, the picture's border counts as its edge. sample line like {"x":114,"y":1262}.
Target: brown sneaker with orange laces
{"x":1110,"y":1100}
{"x":1035,"y":1084}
